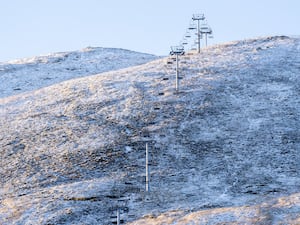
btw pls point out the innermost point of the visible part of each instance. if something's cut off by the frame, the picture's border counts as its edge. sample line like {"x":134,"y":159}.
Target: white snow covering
{"x":18,"y":76}
{"x":224,"y":150}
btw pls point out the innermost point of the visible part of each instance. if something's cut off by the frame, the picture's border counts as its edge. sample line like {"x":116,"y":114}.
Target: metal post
{"x":206,"y":38}
{"x":147,"y":169}
{"x":177,"y":74}
{"x":177,"y":50}
{"x":198,"y":17}
{"x":198,"y":36}
{"x":118,"y":216}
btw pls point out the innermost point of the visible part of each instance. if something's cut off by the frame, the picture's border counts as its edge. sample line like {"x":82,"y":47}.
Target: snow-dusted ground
{"x":19,"y":76}
{"x":223,"y":150}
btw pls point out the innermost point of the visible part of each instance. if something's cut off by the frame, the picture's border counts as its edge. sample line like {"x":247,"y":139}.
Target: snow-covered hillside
{"x":224,"y":150}
{"x":23,"y":75}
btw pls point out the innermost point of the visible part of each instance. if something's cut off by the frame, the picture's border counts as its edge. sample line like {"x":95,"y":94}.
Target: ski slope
{"x":224,"y":150}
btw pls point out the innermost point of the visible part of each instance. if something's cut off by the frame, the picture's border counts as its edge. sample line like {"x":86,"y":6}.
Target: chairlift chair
{"x":193,"y":47}
{"x":188,"y":34}
{"x":184,"y":41}
{"x":193,"y":26}
{"x":205,"y":26}
{"x":204,"y":29}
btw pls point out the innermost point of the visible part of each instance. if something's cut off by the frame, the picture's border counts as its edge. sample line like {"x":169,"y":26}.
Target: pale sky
{"x":36,"y":27}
